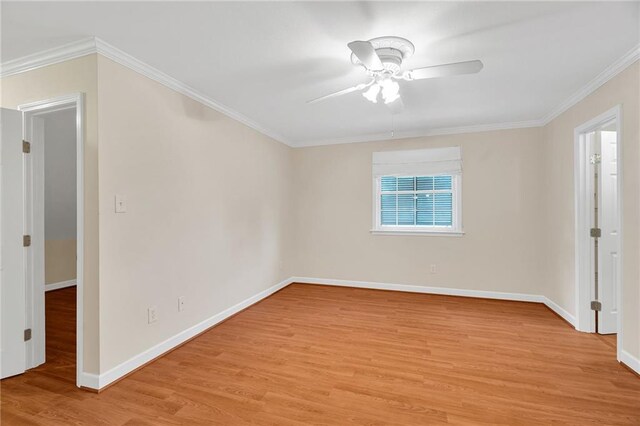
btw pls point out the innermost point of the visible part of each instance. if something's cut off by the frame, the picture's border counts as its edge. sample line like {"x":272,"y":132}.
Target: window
{"x":422,"y":202}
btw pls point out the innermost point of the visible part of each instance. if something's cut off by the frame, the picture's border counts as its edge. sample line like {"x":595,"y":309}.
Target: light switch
{"x":121,"y":203}
{"x":152,"y":313}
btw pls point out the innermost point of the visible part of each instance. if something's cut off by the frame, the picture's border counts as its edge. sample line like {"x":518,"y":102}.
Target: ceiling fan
{"x":382,"y":58}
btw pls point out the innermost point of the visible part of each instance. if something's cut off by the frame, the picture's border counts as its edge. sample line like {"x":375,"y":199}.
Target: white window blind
{"x":418,"y":162}
{"x":416,"y":201}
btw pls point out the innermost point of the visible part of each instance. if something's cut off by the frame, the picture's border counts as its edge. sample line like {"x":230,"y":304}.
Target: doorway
{"x":598,"y":197}
{"x":54,"y":208}
{"x":60,"y":239}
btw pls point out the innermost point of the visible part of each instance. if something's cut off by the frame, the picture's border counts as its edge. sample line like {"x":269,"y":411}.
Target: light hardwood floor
{"x":327,"y":355}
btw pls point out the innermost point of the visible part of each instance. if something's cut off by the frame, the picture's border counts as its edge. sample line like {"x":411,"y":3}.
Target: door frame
{"x":34,"y":216}
{"x":585,"y":320}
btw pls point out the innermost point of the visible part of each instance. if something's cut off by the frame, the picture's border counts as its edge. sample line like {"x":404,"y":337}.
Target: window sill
{"x":417,"y":232}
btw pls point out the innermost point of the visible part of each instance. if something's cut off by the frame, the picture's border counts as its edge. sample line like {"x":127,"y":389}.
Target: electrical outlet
{"x":180,"y":303}
{"x":153,"y":314}
{"x":433,"y":269}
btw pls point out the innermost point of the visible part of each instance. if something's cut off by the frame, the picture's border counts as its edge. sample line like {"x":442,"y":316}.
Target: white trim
{"x":422,"y":133}
{"x":456,"y":230}
{"x":140,"y":67}
{"x":607,"y":74}
{"x":519,"y":297}
{"x":93,"y":45}
{"x":152,"y":353}
{"x":98,"y":382}
{"x":44,"y":58}
{"x":417,"y":232}
{"x":630,"y":361}
{"x":560,"y":311}
{"x":585,"y":320}
{"x":88,"y":380}
{"x":36,"y":346}
{"x":59,"y":285}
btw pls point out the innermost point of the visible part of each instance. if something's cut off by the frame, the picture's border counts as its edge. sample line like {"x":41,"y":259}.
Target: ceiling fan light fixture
{"x":372,"y":93}
{"x":390,"y":90}
{"x":391,"y":98}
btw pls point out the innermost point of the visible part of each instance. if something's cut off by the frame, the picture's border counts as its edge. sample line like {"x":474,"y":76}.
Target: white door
{"x":12,"y":285}
{"x":608,"y":250}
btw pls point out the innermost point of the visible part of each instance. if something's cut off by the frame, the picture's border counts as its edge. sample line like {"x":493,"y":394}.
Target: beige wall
{"x":209,"y":212}
{"x":60,"y":219}
{"x":74,"y":76}
{"x":59,"y":261}
{"x":501,"y":207}
{"x":518,"y":212}
{"x":558,"y":143}
{"x":218,"y":212}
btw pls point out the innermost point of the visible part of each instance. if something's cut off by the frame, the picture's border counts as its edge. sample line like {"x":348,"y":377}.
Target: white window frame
{"x":454,"y":230}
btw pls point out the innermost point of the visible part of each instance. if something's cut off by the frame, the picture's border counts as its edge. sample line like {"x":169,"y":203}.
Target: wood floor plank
{"x":327,"y":355}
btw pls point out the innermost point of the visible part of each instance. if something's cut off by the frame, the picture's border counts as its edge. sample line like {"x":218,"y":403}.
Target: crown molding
{"x":422,"y":133}
{"x":44,"y":58}
{"x":607,"y":74}
{"x":93,"y":45}
{"x":105,"y":49}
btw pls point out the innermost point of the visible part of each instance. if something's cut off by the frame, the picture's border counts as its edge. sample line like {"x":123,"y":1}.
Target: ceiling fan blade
{"x":340,"y":93}
{"x":468,"y":67}
{"x":367,"y":54}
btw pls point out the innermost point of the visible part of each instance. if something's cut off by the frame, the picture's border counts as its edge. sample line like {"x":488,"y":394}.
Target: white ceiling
{"x":266,"y":59}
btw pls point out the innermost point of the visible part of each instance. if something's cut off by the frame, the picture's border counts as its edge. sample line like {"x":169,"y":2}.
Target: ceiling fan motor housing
{"x":390,"y":58}
{"x":391,"y":50}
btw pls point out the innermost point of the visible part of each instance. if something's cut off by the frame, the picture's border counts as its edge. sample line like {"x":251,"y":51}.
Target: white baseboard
{"x":119,"y":371}
{"x":625,"y":357}
{"x":98,"y":382}
{"x":58,"y":285}
{"x":88,"y":380}
{"x":560,"y":311}
{"x":521,"y":297}
{"x":630,"y":361}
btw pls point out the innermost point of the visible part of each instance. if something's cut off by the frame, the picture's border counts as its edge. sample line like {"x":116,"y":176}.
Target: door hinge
{"x":595,"y":232}
{"x":26,"y":240}
{"x":27,"y":335}
{"x":596,"y":306}
{"x":26,"y":147}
